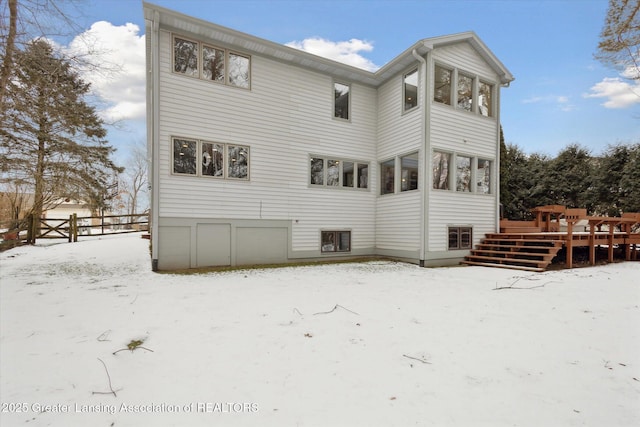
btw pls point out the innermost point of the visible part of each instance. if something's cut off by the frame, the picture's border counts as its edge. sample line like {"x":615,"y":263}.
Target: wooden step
{"x":513,"y":267}
{"x":502,"y":260}
{"x":514,"y":254}
{"x":496,"y":246}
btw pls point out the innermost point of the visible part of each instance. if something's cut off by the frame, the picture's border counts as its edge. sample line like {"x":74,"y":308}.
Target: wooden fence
{"x":74,"y":227}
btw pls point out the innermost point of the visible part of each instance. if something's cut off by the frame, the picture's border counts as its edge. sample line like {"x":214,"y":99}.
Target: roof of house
{"x":207,"y":31}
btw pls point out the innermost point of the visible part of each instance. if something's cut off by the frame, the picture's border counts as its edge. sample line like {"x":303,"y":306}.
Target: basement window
{"x":336,"y":241}
{"x":460,"y":237}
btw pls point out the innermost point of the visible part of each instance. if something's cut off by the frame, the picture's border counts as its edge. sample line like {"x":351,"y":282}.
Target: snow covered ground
{"x":368,"y":344}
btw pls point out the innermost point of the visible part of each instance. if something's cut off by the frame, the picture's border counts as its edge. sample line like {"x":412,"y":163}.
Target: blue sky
{"x":558,"y":97}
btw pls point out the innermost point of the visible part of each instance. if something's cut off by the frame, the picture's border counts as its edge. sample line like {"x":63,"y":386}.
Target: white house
{"x":261,"y":153}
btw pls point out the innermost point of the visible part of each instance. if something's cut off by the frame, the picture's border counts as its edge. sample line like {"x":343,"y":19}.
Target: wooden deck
{"x":532,"y":245}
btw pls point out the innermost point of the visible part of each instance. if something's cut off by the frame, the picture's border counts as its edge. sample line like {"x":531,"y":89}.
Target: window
{"x":442,"y":89}
{"x":341,"y":100}
{"x":184,"y":156}
{"x":336,"y":241}
{"x":225,"y":161}
{"x":216,"y":65}
{"x":440,"y":166}
{"x":460,"y":237}
{"x":212,"y":159}
{"x":238,"y":70}
{"x":347,"y":174}
{"x":213,"y":64}
{"x":465,"y":88}
{"x":409,"y":168}
{"x":465,"y":92}
{"x":484,"y":99}
{"x":410,"y":90}
{"x":338,"y":173}
{"x":317,"y":171}
{"x":463,"y":173}
{"x":363,"y":175}
{"x":238,"y":161}
{"x":387,"y":176}
{"x":333,"y":172}
{"x":483,"y":176}
{"x":185,"y":57}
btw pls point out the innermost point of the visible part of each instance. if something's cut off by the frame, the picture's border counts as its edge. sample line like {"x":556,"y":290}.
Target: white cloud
{"x":121,"y":49}
{"x":347,"y":52}
{"x":562,"y":102}
{"x":618,"y":93}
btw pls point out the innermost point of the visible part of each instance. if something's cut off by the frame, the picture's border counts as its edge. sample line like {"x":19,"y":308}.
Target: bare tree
{"x":134,"y":181}
{"x":619,"y":45}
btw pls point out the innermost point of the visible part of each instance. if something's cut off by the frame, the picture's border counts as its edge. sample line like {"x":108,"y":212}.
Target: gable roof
{"x":207,"y":31}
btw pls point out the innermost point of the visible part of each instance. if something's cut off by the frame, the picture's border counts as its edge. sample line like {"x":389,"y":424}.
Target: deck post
{"x":569,"y":261}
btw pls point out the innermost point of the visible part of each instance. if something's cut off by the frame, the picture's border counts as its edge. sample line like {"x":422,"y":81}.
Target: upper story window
{"x":387,"y":177}
{"x":211,"y":63}
{"x":409,"y":168}
{"x":440,"y":168}
{"x":442,"y":89}
{"x":484,"y":99}
{"x":471,"y":174}
{"x":338,"y":173}
{"x":483,"y":176}
{"x":465,"y":92}
{"x":185,"y":56}
{"x":341,"y":94}
{"x":463,"y":173}
{"x":216,"y":160}
{"x":410,"y":90}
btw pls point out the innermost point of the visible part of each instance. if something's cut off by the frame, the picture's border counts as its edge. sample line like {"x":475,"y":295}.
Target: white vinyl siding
{"x":397,"y":215}
{"x":283,"y":124}
{"x":457,"y":132}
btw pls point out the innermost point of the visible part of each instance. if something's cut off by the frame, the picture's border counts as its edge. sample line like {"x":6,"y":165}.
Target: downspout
{"x":423,"y":156}
{"x":498,"y":165}
{"x":154,"y":130}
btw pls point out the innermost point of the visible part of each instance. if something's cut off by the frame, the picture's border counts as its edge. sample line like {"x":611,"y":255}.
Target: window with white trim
{"x":217,"y":160}
{"x":409,"y":172}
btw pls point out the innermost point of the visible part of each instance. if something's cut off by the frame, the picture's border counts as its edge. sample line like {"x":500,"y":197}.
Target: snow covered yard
{"x":368,"y":344}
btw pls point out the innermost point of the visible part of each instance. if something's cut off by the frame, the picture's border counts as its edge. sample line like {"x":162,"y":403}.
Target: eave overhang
{"x":172,"y":21}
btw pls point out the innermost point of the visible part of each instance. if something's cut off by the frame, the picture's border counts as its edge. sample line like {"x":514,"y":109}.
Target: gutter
{"x":423,"y":153}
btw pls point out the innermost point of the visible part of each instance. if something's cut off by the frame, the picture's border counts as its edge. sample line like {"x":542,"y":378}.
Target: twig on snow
{"x":112,"y":391}
{"x":335,"y":308}
{"x":295,"y":310}
{"x":519,"y":287}
{"x":134,"y":344}
{"x":415,"y":358}
{"x":103,"y":336}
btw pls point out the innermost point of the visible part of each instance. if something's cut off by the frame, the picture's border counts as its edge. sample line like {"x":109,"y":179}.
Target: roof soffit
{"x":232,"y":39}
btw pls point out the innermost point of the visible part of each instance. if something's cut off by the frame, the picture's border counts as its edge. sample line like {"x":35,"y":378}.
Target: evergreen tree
{"x":571,"y":174}
{"x":630,"y":181}
{"x":606,"y":193}
{"x":51,"y":139}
